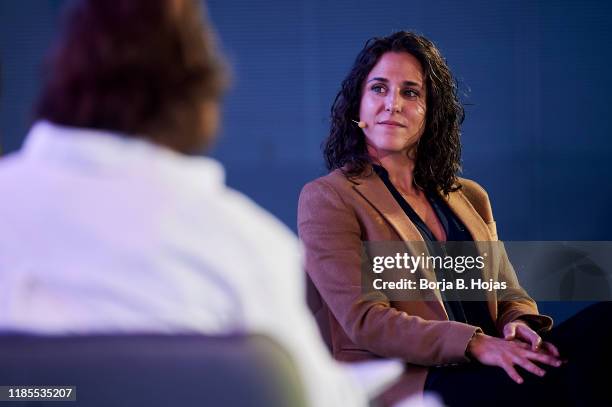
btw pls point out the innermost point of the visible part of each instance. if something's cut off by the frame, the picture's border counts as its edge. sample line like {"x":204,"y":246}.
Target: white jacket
{"x":105,"y":233}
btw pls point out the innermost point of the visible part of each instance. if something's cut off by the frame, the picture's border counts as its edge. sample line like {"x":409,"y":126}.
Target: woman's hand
{"x":506,"y":354}
{"x":519,"y":330}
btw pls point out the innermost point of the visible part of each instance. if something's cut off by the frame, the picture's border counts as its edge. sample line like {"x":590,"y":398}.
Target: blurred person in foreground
{"x":111,"y":223}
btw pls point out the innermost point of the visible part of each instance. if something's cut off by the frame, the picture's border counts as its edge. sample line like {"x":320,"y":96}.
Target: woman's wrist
{"x":474,"y":340}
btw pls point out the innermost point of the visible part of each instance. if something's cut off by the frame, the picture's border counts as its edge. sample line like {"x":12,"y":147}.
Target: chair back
{"x":153,"y":370}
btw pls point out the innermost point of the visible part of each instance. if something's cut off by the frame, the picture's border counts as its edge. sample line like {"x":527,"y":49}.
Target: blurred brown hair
{"x":141,"y":67}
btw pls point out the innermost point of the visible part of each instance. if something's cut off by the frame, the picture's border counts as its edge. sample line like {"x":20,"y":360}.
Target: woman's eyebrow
{"x":378,"y":79}
{"x":385,"y":80}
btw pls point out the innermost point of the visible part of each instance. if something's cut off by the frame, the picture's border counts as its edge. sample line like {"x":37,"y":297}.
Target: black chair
{"x":153,"y":370}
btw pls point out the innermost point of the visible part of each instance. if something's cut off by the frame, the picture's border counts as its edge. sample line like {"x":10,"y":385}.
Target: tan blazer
{"x":335,"y":215}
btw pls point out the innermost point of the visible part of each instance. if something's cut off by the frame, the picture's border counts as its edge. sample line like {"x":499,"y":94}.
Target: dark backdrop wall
{"x":534,"y":73}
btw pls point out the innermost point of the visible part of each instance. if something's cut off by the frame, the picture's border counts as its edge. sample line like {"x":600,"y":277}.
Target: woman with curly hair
{"x":394,"y":154}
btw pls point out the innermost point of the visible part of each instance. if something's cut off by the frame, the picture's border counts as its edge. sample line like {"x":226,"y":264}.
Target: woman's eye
{"x":411,"y":93}
{"x":379,"y":89}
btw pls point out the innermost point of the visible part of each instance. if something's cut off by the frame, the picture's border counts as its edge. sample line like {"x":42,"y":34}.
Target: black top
{"x":471,"y":312}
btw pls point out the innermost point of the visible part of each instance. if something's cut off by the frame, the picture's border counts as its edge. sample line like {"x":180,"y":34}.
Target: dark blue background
{"x":534,"y":73}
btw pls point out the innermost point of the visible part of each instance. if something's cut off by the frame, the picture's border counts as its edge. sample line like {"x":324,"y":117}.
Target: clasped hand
{"x":520,"y":346}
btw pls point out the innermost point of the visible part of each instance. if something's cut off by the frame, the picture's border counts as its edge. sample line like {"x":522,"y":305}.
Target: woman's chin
{"x":393,"y":146}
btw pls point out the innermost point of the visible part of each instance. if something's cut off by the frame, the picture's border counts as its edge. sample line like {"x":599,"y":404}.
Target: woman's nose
{"x":393,"y":103}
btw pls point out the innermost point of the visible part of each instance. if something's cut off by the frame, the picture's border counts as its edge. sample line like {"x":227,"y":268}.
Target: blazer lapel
{"x":373,"y":189}
{"x":464,"y":210}
{"x":376,"y":193}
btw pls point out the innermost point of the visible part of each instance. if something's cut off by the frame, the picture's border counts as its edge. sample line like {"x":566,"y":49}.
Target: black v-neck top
{"x":471,"y":312}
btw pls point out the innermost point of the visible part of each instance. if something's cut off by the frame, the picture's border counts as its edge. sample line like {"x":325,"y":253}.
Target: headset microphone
{"x":360,"y":124}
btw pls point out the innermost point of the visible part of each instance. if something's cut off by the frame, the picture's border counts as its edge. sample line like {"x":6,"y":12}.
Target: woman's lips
{"x":391,"y":123}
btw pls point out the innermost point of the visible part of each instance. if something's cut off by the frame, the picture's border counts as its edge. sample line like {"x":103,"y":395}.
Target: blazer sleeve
{"x":514,"y":303}
{"x":331,"y":234}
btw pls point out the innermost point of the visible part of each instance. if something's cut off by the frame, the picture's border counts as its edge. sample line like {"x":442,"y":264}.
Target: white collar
{"x":106,"y":150}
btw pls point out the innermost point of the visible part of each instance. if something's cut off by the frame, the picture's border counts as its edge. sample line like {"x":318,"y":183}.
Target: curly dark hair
{"x":439,"y":149}
{"x":140,"y":67}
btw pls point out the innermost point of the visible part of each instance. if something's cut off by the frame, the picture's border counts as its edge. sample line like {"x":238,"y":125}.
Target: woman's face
{"x":393,"y":105}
